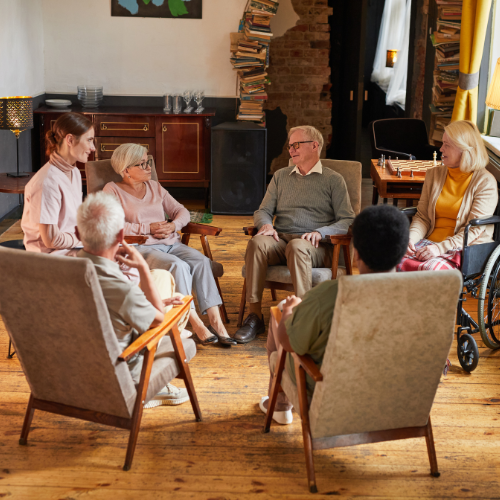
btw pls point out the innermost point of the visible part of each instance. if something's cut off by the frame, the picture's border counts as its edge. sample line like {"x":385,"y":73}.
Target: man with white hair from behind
{"x":132,"y":309}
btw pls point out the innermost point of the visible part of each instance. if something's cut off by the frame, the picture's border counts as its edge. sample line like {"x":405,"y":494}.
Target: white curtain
{"x":396,"y":92}
{"x":390,"y":38}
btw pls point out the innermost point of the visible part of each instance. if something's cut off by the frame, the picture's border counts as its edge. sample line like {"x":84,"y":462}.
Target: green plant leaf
{"x":177,"y":7}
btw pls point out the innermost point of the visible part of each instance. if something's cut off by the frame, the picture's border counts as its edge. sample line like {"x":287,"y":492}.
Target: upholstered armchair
{"x":279,"y":277}
{"x":390,"y":336}
{"x":56,"y":316}
{"x":99,"y":173}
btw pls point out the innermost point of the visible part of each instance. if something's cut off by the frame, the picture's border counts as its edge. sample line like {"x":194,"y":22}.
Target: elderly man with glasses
{"x":308,"y":203}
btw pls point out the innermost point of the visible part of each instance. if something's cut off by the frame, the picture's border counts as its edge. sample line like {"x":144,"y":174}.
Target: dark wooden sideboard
{"x":180,"y":144}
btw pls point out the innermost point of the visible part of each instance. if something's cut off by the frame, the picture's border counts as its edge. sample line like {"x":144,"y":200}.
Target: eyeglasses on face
{"x":296,"y":145}
{"x":145,"y":164}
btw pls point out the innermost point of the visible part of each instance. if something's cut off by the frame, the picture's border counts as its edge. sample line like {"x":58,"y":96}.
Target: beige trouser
{"x":165,"y":285}
{"x":299,"y":255}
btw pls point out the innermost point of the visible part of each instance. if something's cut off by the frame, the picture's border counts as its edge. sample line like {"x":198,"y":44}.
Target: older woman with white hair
{"x":453,"y":194}
{"x":145,"y":203}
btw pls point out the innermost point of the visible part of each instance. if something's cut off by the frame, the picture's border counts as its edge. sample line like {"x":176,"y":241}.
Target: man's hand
{"x":268,"y":230}
{"x":290,"y":302}
{"x":427,"y":253}
{"x":161,"y":230}
{"x":129,"y":256}
{"x":173,"y":301}
{"x":313,"y":237}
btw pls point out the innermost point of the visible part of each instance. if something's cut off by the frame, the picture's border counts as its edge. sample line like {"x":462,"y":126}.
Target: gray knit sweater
{"x":302,"y":204}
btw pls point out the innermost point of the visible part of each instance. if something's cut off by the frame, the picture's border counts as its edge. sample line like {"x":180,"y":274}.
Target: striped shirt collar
{"x":318,"y":169}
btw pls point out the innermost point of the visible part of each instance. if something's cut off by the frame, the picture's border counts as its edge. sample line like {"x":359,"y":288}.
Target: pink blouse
{"x":156,"y":206}
{"x":52,"y":197}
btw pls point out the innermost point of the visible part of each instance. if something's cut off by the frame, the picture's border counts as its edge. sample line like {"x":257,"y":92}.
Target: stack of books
{"x":446,"y":40}
{"x":250,"y":58}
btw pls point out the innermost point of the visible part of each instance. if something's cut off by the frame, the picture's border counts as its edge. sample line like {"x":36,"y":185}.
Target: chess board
{"x":407,"y":167}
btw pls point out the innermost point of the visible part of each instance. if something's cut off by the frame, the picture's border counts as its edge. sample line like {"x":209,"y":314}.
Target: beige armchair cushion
{"x":391,"y":334}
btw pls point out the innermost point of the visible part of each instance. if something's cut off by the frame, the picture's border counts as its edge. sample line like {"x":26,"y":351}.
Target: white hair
{"x":126,"y":155}
{"x":100,"y":218}
{"x":313,"y":134}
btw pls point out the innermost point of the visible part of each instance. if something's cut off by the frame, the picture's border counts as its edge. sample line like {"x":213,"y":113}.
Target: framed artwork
{"x":179,"y":9}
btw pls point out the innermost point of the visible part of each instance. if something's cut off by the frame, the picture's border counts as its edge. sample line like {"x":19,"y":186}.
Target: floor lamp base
{"x":18,"y":174}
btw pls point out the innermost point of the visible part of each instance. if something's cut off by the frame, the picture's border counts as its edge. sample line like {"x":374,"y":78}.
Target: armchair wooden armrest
{"x":203,"y":229}
{"x":344,"y":241}
{"x":150,"y":338}
{"x":250,"y":230}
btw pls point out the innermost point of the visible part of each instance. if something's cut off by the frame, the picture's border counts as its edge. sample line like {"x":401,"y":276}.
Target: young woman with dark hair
{"x":54,"y":194}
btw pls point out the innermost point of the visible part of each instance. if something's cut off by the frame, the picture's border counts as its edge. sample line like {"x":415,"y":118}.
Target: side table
{"x":15,"y":185}
{"x":397,"y":188}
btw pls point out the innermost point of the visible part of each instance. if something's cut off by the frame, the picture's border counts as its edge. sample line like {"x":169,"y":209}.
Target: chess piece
{"x":434,"y":155}
{"x":397,"y":158}
{"x":398,"y":173}
{"x":411,"y":172}
{"x":380,"y":161}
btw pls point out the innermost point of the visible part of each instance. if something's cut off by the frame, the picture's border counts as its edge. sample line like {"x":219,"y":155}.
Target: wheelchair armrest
{"x":410,"y":211}
{"x":494,"y":219}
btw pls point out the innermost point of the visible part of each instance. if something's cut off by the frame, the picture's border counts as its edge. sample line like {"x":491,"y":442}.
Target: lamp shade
{"x":392,"y":57}
{"x":493,"y":97}
{"x":16,"y":113}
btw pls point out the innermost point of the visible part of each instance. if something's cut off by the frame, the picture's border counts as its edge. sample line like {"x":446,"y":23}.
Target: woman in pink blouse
{"x":145,"y":203}
{"x":54,"y":194}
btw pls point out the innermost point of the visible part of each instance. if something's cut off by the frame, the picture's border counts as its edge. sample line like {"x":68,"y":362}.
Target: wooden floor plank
{"x":227,"y":456}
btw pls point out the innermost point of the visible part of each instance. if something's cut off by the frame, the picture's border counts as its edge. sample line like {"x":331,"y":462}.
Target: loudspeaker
{"x":238,"y":176}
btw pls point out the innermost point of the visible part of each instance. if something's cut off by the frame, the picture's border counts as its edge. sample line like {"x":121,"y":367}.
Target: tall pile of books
{"x":250,"y":58}
{"x":446,"y":40}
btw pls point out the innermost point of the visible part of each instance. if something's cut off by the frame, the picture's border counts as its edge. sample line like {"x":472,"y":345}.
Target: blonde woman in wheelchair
{"x":452,"y":195}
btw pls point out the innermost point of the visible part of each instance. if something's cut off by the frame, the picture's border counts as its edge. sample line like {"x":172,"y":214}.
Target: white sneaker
{"x":282,"y":417}
{"x":168,"y":396}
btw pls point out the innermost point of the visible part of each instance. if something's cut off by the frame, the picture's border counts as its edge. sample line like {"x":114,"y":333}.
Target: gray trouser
{"x":188,"y":267}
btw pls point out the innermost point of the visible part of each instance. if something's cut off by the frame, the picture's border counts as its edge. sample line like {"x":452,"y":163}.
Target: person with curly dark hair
{"x":380,"y":239}
{"x":53,"y":195}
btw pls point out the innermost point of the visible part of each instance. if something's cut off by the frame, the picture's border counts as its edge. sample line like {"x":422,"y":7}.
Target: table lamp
{"x":392,"y":57}
{"x":16,"y":115}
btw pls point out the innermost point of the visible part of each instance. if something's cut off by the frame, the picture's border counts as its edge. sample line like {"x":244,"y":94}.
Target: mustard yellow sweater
{"x":448,"y":204}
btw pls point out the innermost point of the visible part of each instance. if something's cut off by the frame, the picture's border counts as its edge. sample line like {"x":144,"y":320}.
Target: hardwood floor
{"x":227,"y":456}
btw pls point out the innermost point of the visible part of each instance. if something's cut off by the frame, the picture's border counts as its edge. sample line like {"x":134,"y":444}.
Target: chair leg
{"x":273,"y":294}
{"x":243,"y":304}
{"x":222,"y":307}
{"x":300,"y":375}
{"x":275,"y":388}
{"x":10,"y":355}
{"x":186,"y":372}
{"x":429,"y":439}
{"x":30,"y":411}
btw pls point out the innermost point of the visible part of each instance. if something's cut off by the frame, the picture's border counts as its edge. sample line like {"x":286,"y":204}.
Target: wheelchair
{"x":480,"y":267}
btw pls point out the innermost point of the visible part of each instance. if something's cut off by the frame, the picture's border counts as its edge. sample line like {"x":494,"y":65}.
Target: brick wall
{"x":300,"y":73}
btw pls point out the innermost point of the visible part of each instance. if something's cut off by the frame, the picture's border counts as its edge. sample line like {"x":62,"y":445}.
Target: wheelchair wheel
{"x":488,"y":305}
{"x":467,"y":352}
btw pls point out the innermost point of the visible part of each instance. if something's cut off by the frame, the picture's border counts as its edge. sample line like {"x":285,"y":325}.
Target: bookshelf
{"x":250,"y":58}
{"x":445,"y":39}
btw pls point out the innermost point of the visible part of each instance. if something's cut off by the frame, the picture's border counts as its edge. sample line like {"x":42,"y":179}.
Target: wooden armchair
{"x":381,"y":367}
{"x":87,"y":376}
{"x":99,"y":173}
{"x":279,"y":277}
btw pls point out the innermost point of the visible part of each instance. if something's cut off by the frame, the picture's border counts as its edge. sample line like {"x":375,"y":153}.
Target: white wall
{"x":21,"y":48}
{"x":138,"y":56}
{"x":495,"y":38}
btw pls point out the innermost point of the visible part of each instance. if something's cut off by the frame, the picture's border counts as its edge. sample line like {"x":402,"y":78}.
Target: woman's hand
{"x":427,"y":253}
{"x":410,"y":251}
{"x":161,"y":230}
{"x":173,"y":301}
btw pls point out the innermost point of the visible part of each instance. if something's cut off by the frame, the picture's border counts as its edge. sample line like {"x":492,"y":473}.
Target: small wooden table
{"x":15,"y":185}
{"x":397,"y":188}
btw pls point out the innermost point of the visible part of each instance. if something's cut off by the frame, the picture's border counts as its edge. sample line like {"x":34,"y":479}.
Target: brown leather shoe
{"x":252,"y":326}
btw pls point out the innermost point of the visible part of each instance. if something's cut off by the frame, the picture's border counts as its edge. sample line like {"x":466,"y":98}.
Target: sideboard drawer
{"x":124,"y":126}
{"x":104,"y":146}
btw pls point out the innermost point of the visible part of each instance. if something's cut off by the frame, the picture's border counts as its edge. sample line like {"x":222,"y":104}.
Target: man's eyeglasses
{"x":144,"y":164}
{"x":296,"y":145}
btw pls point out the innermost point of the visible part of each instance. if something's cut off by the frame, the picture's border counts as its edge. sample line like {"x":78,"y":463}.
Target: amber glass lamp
{"x":16,"y":115}
{"x":493,"y":97}
{"x":392,"y":57}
